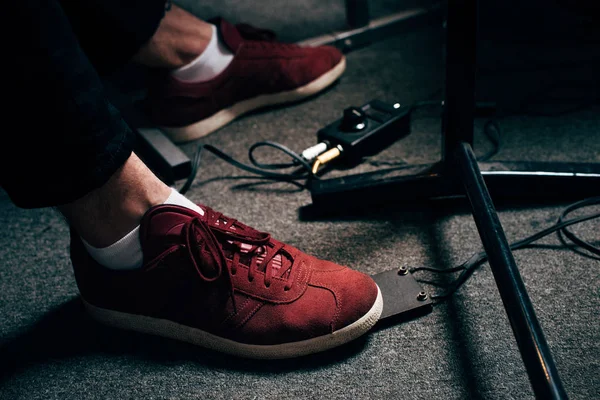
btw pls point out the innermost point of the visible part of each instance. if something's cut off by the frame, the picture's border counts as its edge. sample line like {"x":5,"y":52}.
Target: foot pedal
{"x":403,"y":296}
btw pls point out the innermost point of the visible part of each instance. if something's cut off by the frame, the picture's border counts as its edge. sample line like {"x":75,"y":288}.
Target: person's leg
{"x":199,"y":87}
{"x":145,"y":257}
{"x":204,"y":73}
{"x":108,"y":213}
{"x":66,"y":139}
{"x":179,"y":39}
{"x":111,"y":32}
{"x":72,"y":149}
{"x":152,"y":33}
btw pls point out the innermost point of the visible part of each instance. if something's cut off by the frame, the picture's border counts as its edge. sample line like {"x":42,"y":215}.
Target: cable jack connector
{"x":326,"y":157}
{"x":312,"y":152}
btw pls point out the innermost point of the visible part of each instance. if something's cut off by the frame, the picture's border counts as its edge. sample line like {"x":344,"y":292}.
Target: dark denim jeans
{"x":62,"y":137}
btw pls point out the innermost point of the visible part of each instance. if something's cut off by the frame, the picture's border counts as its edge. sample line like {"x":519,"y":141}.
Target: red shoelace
{"x":217,"y":235}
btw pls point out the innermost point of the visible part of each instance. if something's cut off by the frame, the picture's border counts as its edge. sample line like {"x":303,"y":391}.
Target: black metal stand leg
{"x":357,"y":13}
{"x":528,"y":333}
{"x":459,"y":167}
{"x":363,"y":30}
{"x":461,"y":63}
{"x":459,"y":106}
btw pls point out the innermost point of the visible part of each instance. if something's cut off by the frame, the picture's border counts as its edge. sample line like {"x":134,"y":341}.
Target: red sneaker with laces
{"x":215,"y":282}
{"x":263,"y":72}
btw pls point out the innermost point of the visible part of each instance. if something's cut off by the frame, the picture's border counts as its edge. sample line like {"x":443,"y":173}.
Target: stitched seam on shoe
{"x":337,"y":298}
{"x":332,"y":269}
{"x":249,"y":316}
{"x":275,"y":301}
{"x":235,"y":312}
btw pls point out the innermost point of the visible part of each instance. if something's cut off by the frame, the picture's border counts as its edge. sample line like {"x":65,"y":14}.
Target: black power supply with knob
{"x":366,"y":130}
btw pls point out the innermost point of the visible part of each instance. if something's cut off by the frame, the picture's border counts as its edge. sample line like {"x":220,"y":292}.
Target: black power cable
{"x":297,"y":159}
{"x":303,"y":171}
{"x":478,"y":259}
{"x":492,"y":130}
{"x":564,"y":232}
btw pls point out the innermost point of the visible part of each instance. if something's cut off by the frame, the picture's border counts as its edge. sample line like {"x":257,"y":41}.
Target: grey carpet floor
{"x":463,"y":349}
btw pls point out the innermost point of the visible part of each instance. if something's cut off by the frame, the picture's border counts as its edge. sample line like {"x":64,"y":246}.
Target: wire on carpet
{"x":472,"y":264}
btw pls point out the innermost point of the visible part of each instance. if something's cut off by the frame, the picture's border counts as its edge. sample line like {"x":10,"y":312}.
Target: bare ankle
{"x":108,"y":213}
{"x":179,"y":39}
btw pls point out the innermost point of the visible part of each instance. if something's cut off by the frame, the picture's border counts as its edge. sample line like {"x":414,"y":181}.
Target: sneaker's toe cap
{"x":332,"y":54}
{"x":355,"y":293}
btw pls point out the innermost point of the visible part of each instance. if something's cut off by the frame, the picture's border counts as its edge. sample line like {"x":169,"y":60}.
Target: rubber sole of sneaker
{"x":173,"y":330}
{"x":221,"y":118}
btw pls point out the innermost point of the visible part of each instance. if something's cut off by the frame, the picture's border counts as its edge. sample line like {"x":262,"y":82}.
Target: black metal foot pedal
{"x":403,"y":297}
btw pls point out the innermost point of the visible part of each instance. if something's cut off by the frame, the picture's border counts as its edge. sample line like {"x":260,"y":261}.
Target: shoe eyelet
{"x":250,"y":279}
{"x":267,"y":285}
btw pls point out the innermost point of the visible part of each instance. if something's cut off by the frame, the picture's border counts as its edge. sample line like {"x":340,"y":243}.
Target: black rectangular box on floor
{"x":165,"y":158}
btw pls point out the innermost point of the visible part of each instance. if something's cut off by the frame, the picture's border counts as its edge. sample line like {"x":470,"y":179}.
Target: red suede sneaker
{"x":215,"y":282}
{"x":263,"y":72}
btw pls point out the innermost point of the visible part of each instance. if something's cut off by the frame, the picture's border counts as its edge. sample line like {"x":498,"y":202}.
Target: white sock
{"x":213,"y":60}
{"x":126,"y":253}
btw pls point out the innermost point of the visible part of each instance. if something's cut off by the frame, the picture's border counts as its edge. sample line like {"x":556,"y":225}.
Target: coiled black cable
{"x":478,"y":259}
